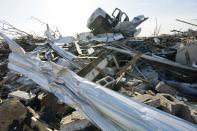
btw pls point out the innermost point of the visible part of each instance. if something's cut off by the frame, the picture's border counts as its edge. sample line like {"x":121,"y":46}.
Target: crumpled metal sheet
{"x":105,"y":108}
{"x":107,"y":37}
{"x":129,"y":27}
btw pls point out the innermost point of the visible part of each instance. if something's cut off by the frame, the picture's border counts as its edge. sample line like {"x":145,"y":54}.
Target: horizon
{"x":70,"y":17}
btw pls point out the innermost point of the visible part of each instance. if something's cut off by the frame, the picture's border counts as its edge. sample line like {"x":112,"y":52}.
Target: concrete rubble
{"x":106,"y":79}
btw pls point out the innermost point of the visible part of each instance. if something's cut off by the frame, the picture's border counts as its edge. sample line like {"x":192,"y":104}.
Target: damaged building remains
{"x":106,"y":79}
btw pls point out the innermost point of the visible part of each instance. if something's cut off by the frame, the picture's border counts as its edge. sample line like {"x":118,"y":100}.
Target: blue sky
{"x":70,"y":16}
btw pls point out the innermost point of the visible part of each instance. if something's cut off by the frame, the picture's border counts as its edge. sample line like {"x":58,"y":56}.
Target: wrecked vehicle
{"x":100,"y":22}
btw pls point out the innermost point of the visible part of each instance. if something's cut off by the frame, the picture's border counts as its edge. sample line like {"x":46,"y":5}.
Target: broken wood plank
{"x":78,"y":48}
{"x":160,"y":62}
{"x":73,"y":122}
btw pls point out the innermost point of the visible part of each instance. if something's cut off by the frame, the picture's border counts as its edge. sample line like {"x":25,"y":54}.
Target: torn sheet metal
{"x":105,"y":108}
{"x":65,"y":40}
{"x":56,"y":48}
{"x":84,"y":36}
{"x":62,"y":53}
{"x":129,"y":27}
{"x":65,"y":54}
{"x":108,"y":37}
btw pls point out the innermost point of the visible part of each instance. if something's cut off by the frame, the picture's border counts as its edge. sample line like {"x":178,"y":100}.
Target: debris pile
{"x":106,"y":79}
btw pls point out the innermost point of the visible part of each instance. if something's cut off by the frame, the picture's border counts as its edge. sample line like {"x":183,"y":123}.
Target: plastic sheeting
{"x":105,"y":108}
